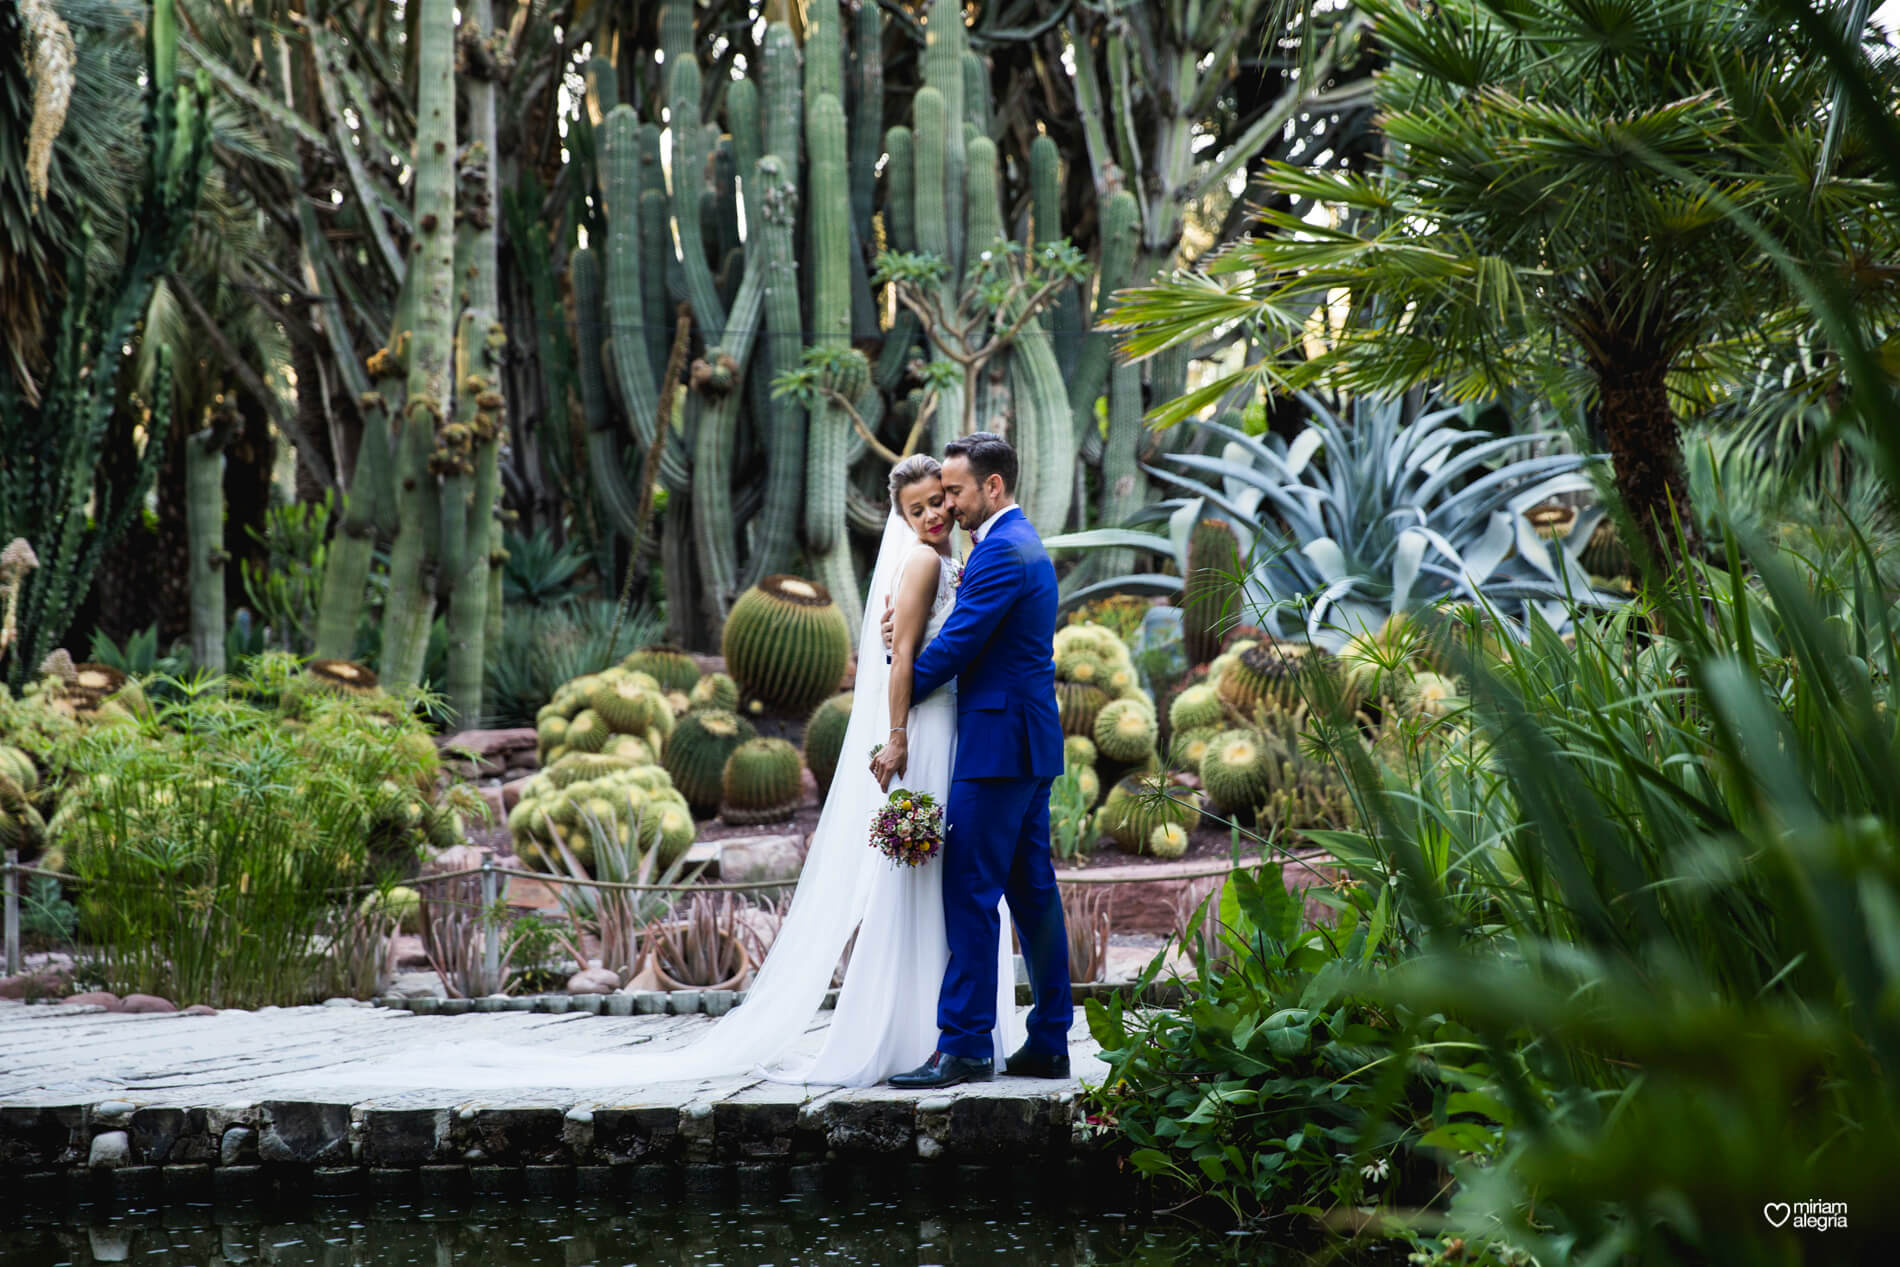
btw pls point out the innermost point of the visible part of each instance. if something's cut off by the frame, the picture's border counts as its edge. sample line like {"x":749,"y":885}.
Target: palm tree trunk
{"x":1646,"y":451}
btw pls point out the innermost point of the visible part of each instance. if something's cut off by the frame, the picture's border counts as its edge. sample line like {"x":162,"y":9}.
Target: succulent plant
{"x":1078,"y":750}
{"x":1352,"y":521}
{"x":1188,"y":748}
{"x":1078,"y":706}
{"x":1210,"y":591}
{"x":1168,"y":840}
{"x":15,"y":764}
{"x":628,"y":705}
{"x":1269,"y":676}
{"x":1196,"y":707}
{"x":345,"y":676}
{"x":671,"y":668}
{"x":715,"y":690}
{"x":1234,"y":772}
{"x":1379,"y":662}
{"x":696,"y":752}
{"x":763,"y":782}
{"x":1125,"y":730}
{"x":1142,"y":802}
{"x":1084,"y":665}
{"x":787,"y":643}
{"x":1431,"y":696}
{"x":588,"y":732}
{"x":824,"y":740}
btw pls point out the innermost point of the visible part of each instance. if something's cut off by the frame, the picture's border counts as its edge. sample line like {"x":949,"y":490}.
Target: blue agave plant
{"x":1352,"y":522}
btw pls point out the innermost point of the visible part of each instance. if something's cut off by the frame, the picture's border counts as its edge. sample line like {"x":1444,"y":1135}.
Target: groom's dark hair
{"x":988,"y":454}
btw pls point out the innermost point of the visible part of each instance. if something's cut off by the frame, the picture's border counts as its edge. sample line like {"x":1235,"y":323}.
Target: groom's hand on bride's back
{"x":890,"y":622}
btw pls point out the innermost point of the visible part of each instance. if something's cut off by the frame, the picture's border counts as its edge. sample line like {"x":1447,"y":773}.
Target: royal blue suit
{"x":997,"y":643}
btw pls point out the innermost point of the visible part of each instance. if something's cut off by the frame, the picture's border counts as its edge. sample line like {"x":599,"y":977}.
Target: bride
{"x":885,"y":1020}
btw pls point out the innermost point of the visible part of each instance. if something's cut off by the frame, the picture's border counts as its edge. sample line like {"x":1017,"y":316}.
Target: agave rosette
{"x":1353,"y":521}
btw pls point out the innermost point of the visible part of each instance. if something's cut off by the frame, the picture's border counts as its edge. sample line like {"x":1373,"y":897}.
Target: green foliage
{"x":1071,"y":825}
{"x":138,"y":657}
{"x":45,"y":914}
{"x":1279,"y":1087}
{"x":288,"y":587}
{"x":1357,"y":519}
{"x":542,"y":647}
{"x":211,"y":839}
{"x":538,"y":571}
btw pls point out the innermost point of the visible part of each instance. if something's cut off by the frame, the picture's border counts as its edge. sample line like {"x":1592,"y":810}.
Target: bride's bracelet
{"x":897,"y":730}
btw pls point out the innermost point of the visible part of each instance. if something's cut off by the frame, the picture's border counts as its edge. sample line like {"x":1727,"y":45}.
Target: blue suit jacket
{"x":998,"y":644}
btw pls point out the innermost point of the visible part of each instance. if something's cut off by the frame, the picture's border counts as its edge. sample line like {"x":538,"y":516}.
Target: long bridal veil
{"x":827,"y":905}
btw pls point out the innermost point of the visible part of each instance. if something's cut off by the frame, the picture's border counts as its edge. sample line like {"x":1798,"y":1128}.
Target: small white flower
{"x":1375,"y":1171}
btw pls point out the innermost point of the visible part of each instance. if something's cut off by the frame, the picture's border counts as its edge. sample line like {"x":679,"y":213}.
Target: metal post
{"x":491,"y":927}
{"x":13,"y":912}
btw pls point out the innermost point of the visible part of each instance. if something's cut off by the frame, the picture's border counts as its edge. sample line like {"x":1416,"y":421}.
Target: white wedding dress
{"x":885,"y":1020}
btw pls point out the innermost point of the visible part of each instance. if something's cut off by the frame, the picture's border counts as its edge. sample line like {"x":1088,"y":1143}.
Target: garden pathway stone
{"x":305,"y":1082}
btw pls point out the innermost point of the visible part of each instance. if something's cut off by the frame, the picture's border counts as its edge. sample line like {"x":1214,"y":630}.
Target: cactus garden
{"x":445,"y":448}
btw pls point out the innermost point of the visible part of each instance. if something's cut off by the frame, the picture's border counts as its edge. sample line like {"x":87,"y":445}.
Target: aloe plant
{"x":1352,"y":522}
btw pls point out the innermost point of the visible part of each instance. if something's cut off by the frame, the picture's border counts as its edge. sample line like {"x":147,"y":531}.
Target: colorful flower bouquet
{"x":909,"y":829}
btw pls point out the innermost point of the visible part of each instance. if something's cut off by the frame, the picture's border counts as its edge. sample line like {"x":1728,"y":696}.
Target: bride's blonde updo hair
{"x":918,"y":466}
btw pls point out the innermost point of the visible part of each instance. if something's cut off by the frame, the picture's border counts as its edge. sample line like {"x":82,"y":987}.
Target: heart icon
{"x":1776,"y":1212}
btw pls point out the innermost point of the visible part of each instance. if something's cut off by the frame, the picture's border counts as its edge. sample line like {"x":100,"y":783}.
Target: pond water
{"x":487,"y":1232}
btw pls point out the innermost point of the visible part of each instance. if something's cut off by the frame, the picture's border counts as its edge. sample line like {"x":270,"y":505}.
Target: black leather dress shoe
{"x":944,"y":1070}
{"x":1028,"y":1063}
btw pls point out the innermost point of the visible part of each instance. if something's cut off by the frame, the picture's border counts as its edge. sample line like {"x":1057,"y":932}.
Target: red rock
{"x":200,"y":1009}
{"x":481,"y":753}
{"x":511,"y":793}
{"x":593,"y":981}
{"x":147,"y":1003}
{"x":97,"y":998}
{"x":38,"y":984}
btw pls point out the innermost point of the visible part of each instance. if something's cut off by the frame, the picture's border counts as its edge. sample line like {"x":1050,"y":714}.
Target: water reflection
{"x":486,"y":1232}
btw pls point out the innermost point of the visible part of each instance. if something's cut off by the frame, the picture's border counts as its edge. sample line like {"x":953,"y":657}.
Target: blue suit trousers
{"x":996,"y":847}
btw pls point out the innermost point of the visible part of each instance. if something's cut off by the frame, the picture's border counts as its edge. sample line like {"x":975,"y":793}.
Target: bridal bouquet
{"x":909,"y":828}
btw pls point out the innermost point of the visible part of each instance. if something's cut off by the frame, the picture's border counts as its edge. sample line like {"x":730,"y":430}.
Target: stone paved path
{"x":299,"y":1085}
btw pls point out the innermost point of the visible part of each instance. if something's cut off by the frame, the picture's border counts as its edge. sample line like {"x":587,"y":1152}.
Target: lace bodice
{"x":947,"y":577}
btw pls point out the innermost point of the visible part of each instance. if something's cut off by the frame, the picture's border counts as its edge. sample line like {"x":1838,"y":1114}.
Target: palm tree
{"x":1581,"y":197}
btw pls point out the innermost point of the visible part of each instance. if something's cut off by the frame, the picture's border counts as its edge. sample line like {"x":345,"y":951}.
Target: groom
{"x":997,"y":644}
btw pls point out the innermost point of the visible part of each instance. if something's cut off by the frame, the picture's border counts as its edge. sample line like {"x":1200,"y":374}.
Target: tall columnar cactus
{"x":827,"y":458}
{"x":944,"y":43}
{"x":689,"y":174}
{"x":785,"y":481}
{"x":204,"y":528}
{"x":409,"y":608}
{"x":1210,"y":592}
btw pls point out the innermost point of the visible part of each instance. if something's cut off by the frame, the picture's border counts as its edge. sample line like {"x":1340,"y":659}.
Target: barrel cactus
{"x":1142,"y":802}
{"x":1079,"y":706}
{"x":672,"y":668}
{"x":1267,"y":676}
{"x":763,"y":782}
{"x":824,"y":740}
{"x":1168,"y":841}
{"x":696,"y":752}
{"x":1234,"y":771}
{"x":1188,"y":748}
{"x":1195,"y":707}
{"x":1078,"y":750}
{"x":715,"y":690}
{"x":588,"y":732}
{"x":1210,"y":593}
{"x":1125,"y":730}
{"x":786,"y":642}
{"x":628,"y":705}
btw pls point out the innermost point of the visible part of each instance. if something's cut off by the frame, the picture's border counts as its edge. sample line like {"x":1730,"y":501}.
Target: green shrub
{"x":215,"y":842}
